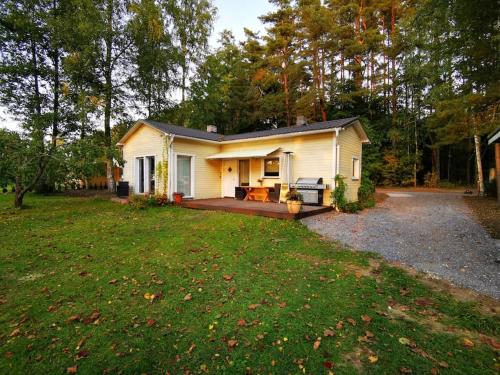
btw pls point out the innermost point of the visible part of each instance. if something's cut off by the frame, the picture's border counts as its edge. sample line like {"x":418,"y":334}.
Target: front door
{"x":229,"y":177}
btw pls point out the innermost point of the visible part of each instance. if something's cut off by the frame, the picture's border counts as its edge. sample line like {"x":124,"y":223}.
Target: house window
{"x":272,"y":167}
{"x":355,"y":168}
{"x":184,"y":182}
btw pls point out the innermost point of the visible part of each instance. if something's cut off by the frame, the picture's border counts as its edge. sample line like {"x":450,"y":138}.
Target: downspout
{"x":170,"y":165}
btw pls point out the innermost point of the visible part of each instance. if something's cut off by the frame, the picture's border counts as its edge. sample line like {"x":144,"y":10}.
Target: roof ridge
{"x":217,"y":137}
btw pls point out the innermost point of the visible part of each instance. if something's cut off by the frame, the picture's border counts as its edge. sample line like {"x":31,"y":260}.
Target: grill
{"x":311,"y":190}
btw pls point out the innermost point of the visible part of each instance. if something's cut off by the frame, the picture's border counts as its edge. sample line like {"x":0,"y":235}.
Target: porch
{"x":256,"y":208}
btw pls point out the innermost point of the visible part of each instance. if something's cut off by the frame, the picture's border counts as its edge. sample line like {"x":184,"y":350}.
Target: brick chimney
{"x":301,"y":120}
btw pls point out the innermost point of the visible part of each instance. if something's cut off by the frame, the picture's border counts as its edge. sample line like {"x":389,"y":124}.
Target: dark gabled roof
{"x":200,"y":134}
{"x":293,"y":129}
{"x":182,"y":131}
{"x":494,"y":136}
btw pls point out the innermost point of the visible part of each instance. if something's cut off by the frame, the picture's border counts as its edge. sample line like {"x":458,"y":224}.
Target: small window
{"x":355,"y":168}
{"x":272,"y":167}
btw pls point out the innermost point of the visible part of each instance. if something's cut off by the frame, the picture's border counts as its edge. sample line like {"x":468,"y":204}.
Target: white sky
{"x":232,"y":14}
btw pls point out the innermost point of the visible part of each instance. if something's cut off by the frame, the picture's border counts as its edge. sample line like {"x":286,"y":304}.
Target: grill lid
{"x":309,"y":181}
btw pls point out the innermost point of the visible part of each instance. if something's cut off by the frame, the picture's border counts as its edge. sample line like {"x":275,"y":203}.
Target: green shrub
{"x":138,"y":201}
{"x":352,"y":207}
{"x":366,"y":193}
{"x":338,"y":194}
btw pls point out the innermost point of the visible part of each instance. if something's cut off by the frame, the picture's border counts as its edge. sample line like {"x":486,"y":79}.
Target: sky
{"x":231,"y":14}
{"x":237,"y":14}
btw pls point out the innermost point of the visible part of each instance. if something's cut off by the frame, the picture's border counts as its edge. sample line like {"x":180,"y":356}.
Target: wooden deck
{"x":268,"y":209}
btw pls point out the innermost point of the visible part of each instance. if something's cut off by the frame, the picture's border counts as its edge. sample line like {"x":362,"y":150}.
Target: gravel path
{"x":433,"y":232}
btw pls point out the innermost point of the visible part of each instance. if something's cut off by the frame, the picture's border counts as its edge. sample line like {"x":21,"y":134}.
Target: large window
{"x":272,"y":167}
{"x":184,"y":181}
{"x":355,"y":168}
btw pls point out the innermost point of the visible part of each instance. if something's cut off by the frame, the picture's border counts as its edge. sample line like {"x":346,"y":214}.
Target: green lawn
{"x":232,"y":294}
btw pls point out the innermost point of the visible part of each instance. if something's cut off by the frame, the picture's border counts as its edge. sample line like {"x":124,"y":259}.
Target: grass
{"x":236,"y":294}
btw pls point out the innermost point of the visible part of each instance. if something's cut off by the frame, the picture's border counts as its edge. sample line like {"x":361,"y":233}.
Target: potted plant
{"x":178,"y":197}
{"x":294,"y":201}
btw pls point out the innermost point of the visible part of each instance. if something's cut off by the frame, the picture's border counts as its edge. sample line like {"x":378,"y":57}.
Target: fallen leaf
{"x":317,"y":343}
{"x":351,"y":321}
{"x":366,"y":318}
{"x":241,"y":323}
{"x":72,"y":370}
{"x":434,"y":371}
{"x":307,"y":306}
{"x":491,"y":342}
{"x":373,"y":359}
{"x":112,"y":282}
{"x":253,"y":306}
{"x":339,"y":325}
{"x":443,"y":364}
{"x":92,"y":318}
{"x":328,"y":333}
{"x":15,"y":332}
{"x":227,"y":277}
{"x":51,"y":308}
{"x":282,"y":305}
{"x":151,"y":322}
{"x":232,"y":343}
{"x":149,"y":296}
{"x":405,"y":370}
{"x":82,"y":354}
{"x":468,"y":343}
{"x":404,"y":341}
{"x":421,"y":352}
{"x":424,"y":302}
{"x":9,"y":355}
{"x":191,"y":348}
{"x":188,"y":297}
{"x":328,"y":364}
{"x":74,"y":318}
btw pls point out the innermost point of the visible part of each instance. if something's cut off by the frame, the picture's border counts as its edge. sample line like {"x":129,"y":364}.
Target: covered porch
{"x":255,"y":208}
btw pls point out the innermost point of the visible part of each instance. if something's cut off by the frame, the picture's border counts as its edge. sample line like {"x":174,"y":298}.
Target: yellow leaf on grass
{"x":317,"y":343}
{"x":468,"y":343}
{"x":373,"y":359}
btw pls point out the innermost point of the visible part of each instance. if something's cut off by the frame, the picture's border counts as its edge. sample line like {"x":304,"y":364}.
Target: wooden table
{"x":254,"y":193}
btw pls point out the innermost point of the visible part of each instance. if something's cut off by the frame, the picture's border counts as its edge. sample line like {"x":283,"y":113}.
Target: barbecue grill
{"x":311,"y":189}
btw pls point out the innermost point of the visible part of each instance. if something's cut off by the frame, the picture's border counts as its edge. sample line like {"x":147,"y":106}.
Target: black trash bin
{"x":122,"y":189}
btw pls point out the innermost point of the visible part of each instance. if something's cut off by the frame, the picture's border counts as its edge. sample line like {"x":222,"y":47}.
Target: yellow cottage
{"x":164,"y":158}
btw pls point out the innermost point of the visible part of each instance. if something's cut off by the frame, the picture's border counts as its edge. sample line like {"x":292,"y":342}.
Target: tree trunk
{"x":18,"y":199}
{"x":436,"y":162}
{"x":108,"y":91}
{"x":479,"y":165}
{"x":394,"y":100}
{"x":287,"y":100}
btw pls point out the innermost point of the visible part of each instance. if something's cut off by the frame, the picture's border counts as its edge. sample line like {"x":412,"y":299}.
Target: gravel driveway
{"x":433,"y":232}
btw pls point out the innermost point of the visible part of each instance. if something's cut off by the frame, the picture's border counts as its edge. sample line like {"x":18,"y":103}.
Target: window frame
{"x":193,"y":164}
{"x":356,"y":172}
{"x":263,"y":166}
